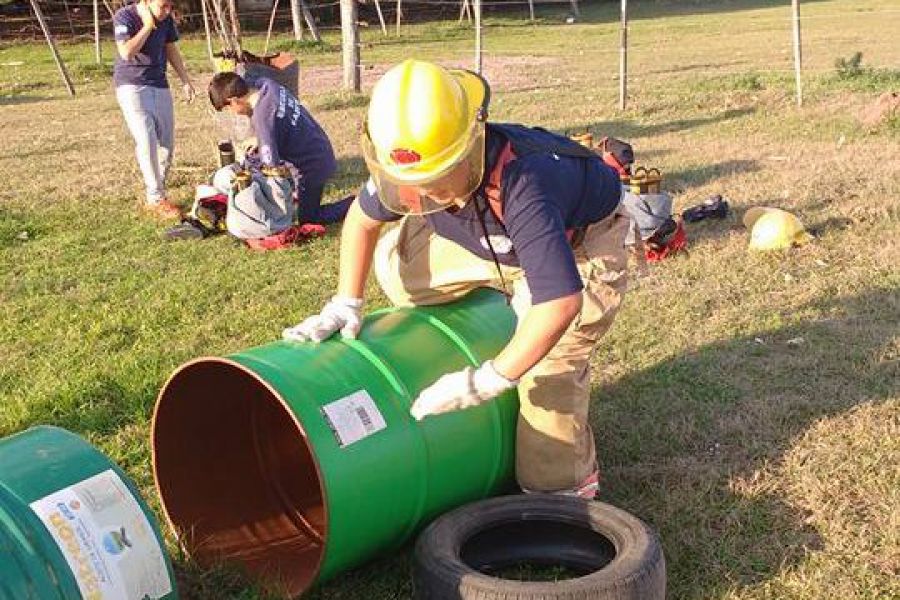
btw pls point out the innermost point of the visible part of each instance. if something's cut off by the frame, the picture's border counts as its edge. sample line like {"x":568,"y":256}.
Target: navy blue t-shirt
{"x":543,"y":195}
{"x":148,"y":67}
{"x":287,"y":132}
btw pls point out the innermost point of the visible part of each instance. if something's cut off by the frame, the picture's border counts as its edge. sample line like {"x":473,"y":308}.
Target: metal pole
{"x":350,"y":42}
{"x":623,"y":57}
{"x":310,"y":22}
{"x":531,"y":9}
{"x":271,"y":24}
{"x":478,"y":63}
{"x":97,"y":31}
{"x":236,"y":28}
{"x":297,"y":19}
{"x":59,"y":63}
{"x":381,"y":18}
{"x":465,"y":10}
{"x":209,"y":49}
{"x":223,"y":29}
{"x":798,"y":52}
{"x":399,"y":15}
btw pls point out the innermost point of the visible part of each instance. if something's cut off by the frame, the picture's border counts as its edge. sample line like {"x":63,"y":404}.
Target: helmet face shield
{"x":411,"y":189}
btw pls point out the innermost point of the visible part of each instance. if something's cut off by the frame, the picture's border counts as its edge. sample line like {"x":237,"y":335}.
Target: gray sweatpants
{"x":149,"y":115}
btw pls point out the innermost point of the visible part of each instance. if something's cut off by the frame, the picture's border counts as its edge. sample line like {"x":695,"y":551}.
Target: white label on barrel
{"x":353,"y":417}
{"x":106,"y":539}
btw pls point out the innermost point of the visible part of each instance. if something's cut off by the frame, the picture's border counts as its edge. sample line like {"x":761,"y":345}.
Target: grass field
{"x":746,"y":405}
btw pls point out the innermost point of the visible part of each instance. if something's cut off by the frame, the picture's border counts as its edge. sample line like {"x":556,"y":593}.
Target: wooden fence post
{"x":350,"y":43}
{"x":97,"y":31}
{"x":59,"y":63}
{"x":478,"y":58}
{"x":381,"y":18}
{"x":798,"y":52}
{"x":209,"y":48}
{"x":269,"y":29}
{"x":623,"y":57}
{"x":235,"y":28}
{"x":297,"y":19}
{"x":310,"y":21}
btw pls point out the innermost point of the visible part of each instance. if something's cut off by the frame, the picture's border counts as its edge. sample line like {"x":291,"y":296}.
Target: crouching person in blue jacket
{"x":287,"y":135}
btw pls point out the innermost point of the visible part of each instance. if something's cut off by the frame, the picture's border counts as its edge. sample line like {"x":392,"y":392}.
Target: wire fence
{"x":73,"y":19}
{"x":651,"y":36}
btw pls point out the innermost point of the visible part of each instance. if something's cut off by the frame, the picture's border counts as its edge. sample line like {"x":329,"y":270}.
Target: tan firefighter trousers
{"x":554,"y":443}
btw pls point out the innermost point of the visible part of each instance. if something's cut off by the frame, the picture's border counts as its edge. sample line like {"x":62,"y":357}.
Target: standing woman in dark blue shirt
{"x":145,"y":39}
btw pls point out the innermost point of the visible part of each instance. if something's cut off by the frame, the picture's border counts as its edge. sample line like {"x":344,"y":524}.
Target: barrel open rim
{"x":231,"y":494}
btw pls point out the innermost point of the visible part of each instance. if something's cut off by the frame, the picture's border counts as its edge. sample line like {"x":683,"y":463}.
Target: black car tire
{"x":615,"y":555}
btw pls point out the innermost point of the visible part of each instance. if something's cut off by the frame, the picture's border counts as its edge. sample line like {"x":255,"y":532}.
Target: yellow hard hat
{"x":224,"y":65}
{"x":774,"y":229}
{"x":424,"y":122}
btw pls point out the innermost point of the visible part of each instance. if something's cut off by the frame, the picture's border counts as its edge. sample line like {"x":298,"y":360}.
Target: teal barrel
{"x":298,"y":461}
{"x":73,"y":526}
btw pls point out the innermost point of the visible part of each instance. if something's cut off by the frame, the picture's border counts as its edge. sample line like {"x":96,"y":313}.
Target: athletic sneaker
{"x":163,"y":209}
{"x":587,"y":489}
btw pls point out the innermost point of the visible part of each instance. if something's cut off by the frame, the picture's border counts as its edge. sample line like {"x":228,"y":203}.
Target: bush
{"x":850,"y":73}
{"x":849,"y":68}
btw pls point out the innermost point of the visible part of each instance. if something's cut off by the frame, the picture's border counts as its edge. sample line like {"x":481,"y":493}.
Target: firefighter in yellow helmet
{"x":483,"y":204}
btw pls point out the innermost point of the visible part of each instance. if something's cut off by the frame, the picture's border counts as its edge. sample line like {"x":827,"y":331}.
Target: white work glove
{"x":462,"y":389}
{"x":341,"y":313}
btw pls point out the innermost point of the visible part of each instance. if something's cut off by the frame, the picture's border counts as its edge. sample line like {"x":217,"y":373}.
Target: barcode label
{"x":366,"y":419}
{"x":353,"y":418}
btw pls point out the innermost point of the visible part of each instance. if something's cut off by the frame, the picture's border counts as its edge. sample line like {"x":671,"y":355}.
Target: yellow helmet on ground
{"x":424,"y":136}
{"x":774,"y":229}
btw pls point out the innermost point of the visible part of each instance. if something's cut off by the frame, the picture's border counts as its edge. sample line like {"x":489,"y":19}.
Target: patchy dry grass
{"x":747,"y":405}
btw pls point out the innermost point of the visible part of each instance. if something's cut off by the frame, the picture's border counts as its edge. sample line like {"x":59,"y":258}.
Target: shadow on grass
{"x":341,"y":101}
{"x":678,"y":181}
{"x":15,"y":100}
{"x":351,"y":174}
{"x":383,"y":579}
{"x":43,"y":151}
{"x":830,"y":225}
{"x":629,"y":130}
{"x":683,"y":442}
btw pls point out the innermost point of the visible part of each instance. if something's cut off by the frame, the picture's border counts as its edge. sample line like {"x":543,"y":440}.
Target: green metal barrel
{"x":72,"y":525}
{"x":298,"y":461}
